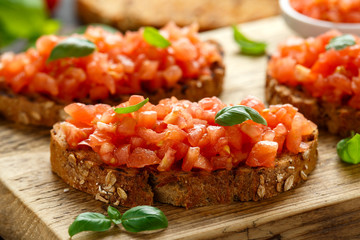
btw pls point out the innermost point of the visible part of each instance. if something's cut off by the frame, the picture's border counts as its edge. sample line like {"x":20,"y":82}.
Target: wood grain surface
{"x":34,"y":205}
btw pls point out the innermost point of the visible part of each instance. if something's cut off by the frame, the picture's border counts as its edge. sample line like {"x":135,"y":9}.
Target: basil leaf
{"x":341,"y":42}
{"x":348,"y":149}
{"x":248,"y":46}
{"x":108,"y":28}
{"x":353,"y":148}
{"x":232,"y":115}
{"x":132,"y":108}
{"x":114,"y":215}
{"x":72,"y":47}
{"x":89,"y":221}
{"x":143,"y":218}
{"x":154,"y":38}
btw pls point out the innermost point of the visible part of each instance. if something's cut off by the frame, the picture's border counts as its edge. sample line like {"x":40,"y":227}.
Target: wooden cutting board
{"x":34,"y":205}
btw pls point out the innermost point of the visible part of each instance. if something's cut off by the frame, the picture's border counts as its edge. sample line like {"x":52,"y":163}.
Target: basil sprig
{"x":341,"y":42}
{"x":247,"y":46}
{"x":348,"y":149}
{"x":137,"y":219}
{"x":132,"y":108}
{"x":154,"y":38}
{"x":72,"y":47}
{"x":232,"y":115}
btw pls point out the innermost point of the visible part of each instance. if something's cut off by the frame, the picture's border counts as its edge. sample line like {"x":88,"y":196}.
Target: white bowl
{"x":311,"y":27}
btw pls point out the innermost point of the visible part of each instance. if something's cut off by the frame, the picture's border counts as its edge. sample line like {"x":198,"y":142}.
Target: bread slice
{"x":336,"y":119}
{"x":42,"y":111}
{"x":208,"y":13}
{"x":83,"y":170}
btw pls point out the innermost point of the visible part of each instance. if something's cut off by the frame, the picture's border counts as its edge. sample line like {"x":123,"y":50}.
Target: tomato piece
{"x":203,"y":163}
{"x":122,"y":154}
{"x":221,"y":162}
{"x":81,"y":112}
{"x":167,"y":160}
{"x":73,"y":135}
{"x":253,"y":102}
{"x":142,"y":157}
{"x":191,"y":156}
{"x":150,"y":136}
{"x":263,"y":154}
{"x":147,"y":119}
{"x":215,"y":132}
{"x":126,"y":127}
{"x":293,"y":139}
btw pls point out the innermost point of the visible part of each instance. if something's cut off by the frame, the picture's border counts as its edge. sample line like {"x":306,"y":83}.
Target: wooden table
{"x":34,"y":205}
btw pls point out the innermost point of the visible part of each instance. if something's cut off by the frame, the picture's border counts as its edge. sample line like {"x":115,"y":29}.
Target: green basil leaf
{"x":108,"y":28}
{"x":114,"y":215}
{"x":144,"y":218}
{"x":348,"y":149}
{"x":154,"y":38}
{"x":89,"y":221}
{"x":232,"y":115}
{"x":248,"y":46}
{"x":132,"y":108}
{"x":353,"y":149}
{"x":341,"y":42}
{"x":72,"y":47}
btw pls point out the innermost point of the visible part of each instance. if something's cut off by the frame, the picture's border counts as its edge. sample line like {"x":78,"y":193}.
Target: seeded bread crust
{"x":41,"y":111}
{"x":83,"y":170}
{"x":336,"y":119}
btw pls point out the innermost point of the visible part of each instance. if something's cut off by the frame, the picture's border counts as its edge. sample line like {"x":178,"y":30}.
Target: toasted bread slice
{"x":83,"y":170}
{"x":42,"y":111}
{"x":208,"y":13}
{"x":337,"y":119}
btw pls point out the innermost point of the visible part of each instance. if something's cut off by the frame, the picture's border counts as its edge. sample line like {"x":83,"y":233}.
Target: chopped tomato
{"x":330,"y":75}
{"x":121,"y":64}
{"x":142,"y":157}
{"x":190,"y":158}
{"x":176,"y":134}
{"x":263,"y":154}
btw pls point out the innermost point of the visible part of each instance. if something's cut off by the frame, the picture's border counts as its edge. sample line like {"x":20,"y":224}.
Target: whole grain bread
{"x":336,"y":119}
{"x":210,"y":14}
{"x":83,"y":170}
{"x":42,"y":111}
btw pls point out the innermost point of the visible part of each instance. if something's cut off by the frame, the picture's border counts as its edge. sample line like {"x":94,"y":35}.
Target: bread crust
{"x":186,"y":189}
{"x":336,"y":119}
{"x":42,"y":111}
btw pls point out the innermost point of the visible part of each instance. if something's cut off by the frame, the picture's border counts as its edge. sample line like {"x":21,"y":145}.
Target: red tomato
{"x":263,"y":154}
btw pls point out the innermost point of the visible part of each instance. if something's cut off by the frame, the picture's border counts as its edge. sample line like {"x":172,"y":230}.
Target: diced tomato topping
{"x":329,"y":10}
{"x":176,"y":135}
{"x":121,"y":64}
{"x":330,"y":75}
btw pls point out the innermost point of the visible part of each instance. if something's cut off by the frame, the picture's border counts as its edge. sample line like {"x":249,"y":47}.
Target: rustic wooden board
{"x":33,"y":204}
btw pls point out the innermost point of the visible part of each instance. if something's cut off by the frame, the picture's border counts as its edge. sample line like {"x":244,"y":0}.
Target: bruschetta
{"x":176,"y":153}
{"x":319,"y":76}
{"x":35,"y":87}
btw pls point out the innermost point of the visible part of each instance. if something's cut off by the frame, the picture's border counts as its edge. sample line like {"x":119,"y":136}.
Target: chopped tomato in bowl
{"x":311,"y":17}
{"x":321,"y":68}
{"x":183,"y":135}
